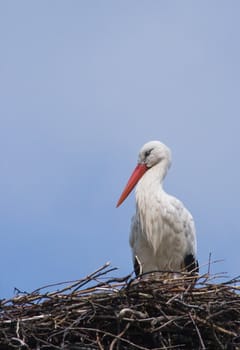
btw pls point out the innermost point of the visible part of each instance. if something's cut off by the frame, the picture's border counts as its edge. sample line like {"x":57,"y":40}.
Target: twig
{"x":99,"y":342}
{"x":203,"y":347}
{"x":216,"y":327}
{"x":119,"y":336}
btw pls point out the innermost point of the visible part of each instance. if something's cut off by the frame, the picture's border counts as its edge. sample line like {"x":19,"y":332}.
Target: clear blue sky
{"x":83,"y":85}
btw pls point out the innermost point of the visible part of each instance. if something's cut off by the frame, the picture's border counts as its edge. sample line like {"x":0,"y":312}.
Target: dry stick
{"x":172,"y":320}
{"x":99,"y":343}
{"x":27,"y":319}
{"x":72,"y":282}
{"x":190,"y":306}
{"x":76,"y":283}
{"x":219,"y":328}
{"x":198,"y":332}
{"x":233,"y":280}
{"x":80,"y":283}
{"x":119,"y":335}
{"x":21,"y":342}
{"x":222,"y":347}
{"x":209,"y":263}
{"x":96,"y":274}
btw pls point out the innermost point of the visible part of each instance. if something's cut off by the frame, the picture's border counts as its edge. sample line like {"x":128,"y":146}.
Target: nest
{"x":101,"y":312}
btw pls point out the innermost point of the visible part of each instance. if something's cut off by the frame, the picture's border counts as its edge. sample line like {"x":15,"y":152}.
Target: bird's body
{"x":162,"y":231}
{"x":162,"y":234}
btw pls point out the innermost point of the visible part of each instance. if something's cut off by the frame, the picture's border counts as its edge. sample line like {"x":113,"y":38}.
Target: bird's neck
{"x":150,"y":185}
{"x":149,"y":194}
{"x":153,"y":178}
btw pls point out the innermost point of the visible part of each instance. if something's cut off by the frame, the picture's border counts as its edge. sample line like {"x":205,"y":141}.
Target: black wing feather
{"x":191,"y":264}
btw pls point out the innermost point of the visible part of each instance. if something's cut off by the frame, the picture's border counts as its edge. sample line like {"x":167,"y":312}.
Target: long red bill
{"x":135,"y":177}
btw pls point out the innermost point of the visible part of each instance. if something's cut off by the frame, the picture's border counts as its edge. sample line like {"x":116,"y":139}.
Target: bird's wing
{"x":181,"y":222}
{"x":173,"y":219}
{"x":134,"y":233}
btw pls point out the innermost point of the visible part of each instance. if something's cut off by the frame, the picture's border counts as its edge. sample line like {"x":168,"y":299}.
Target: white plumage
{"x":162,"y":234}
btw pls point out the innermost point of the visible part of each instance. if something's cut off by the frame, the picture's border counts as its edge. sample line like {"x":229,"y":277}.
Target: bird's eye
{"x":146,"y":154}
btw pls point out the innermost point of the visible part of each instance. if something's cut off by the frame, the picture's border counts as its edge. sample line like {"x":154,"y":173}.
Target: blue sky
{"x":83,"y":85}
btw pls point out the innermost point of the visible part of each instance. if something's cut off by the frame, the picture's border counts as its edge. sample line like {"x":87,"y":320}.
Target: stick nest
{"x":101,"y":312}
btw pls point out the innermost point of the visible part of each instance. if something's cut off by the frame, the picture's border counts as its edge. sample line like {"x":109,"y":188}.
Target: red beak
{"x":135,"y":177}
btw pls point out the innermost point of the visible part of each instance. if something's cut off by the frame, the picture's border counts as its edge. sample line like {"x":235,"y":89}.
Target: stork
{"x":162,"y":236}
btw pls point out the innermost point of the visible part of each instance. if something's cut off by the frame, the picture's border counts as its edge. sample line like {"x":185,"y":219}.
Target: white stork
{"x":162,"y":234}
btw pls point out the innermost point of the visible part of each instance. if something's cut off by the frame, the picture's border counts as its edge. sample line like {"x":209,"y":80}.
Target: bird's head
{"x":151,"y":154}
{"x":154,"y":152}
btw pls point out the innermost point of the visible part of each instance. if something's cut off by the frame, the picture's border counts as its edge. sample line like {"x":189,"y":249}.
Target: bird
{"x":163,"y":234}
